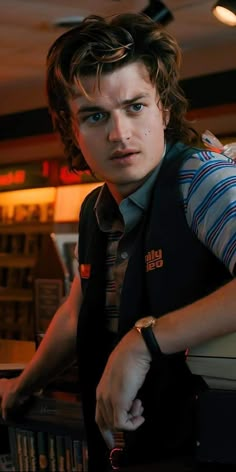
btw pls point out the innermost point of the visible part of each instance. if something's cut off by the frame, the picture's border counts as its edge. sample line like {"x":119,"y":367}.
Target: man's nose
{"x":119,"y":129}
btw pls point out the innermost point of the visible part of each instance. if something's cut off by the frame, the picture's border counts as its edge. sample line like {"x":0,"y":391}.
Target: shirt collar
{"x":129,"y":212}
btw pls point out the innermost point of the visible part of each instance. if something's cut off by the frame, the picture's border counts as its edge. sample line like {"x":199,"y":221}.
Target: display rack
{"x":20,"y":246}
{"x":47,"y":434}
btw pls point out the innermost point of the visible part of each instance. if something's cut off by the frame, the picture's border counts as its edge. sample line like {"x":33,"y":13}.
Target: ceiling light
{"x":225,"y":11}
{"x":158,"y":12}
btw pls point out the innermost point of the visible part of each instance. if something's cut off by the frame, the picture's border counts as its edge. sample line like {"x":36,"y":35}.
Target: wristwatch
{"x":144,"y":326}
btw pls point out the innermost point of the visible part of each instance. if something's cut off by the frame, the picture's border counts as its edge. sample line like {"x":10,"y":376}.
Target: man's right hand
{"x":56,"y":351}
{"x":9,"y":395}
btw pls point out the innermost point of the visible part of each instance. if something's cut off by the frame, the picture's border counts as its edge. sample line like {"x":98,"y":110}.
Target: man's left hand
{"x":118,"y":408}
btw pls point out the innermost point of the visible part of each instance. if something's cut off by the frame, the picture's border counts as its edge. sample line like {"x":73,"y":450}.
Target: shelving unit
{"x":27,"y":216}
{"x":20,"y":246}
{"x":38,"y":232}
{"x":47,"y":433}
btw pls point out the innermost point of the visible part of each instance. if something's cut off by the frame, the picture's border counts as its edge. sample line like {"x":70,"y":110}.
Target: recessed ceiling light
{"x":225,"y":11}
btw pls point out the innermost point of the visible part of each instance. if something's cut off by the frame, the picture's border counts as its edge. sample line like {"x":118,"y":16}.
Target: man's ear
{"x":166,"y":117}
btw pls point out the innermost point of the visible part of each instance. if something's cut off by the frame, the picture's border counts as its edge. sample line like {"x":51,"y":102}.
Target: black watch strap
{"x":151,"y":342}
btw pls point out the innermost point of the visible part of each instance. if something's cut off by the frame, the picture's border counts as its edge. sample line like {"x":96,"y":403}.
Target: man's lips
{"x":123,"y":154}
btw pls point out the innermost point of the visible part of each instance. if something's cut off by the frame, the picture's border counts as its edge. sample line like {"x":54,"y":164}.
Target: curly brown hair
{"x":100,"y":45}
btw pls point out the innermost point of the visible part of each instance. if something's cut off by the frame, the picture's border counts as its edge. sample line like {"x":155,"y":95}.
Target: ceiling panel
{"x":27,"y":30}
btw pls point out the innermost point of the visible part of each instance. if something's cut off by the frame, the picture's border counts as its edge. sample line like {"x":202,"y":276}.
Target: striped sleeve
{"x":208,"y":187}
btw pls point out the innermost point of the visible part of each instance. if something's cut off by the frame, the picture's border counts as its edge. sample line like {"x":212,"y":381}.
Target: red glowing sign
{"x":24,"y":176}
{"x":68,"y":177}
{"x":12,"y":178}
{"x":40,"y":174}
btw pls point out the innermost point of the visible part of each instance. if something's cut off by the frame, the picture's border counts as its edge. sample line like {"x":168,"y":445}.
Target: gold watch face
{"x":145,"y":322}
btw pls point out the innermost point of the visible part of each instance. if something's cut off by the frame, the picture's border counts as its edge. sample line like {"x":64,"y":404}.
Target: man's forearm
{"x":209,"y":317}
{"x":54,"y":353}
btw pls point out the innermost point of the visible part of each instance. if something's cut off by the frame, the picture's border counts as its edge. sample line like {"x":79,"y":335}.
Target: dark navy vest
{"x":169,"y":268}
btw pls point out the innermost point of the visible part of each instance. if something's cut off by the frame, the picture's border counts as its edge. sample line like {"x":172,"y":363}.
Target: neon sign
{"x":12,"y":178}
{"x":24,"y":176}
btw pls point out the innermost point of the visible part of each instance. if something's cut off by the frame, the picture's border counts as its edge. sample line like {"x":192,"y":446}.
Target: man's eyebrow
{"x":94,"y":108}
{"x":89,"y":108}
{"x":135,"y":99}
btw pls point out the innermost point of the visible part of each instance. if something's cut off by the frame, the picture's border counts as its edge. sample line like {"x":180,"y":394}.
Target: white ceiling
{"x":27,"y":31}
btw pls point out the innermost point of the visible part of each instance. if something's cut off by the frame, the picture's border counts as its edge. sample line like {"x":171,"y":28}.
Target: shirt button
{"x":124,"y":255}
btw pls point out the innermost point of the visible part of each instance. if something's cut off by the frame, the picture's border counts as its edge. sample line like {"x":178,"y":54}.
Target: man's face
{"x":120,"y":128}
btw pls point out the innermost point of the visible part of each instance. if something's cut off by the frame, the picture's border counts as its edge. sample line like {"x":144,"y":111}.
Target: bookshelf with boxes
{"x":35,"y":201}
{"x":25,"y":216}
{"x":38,"y":233}
{"x":19,"y":249}
{"x":47,"y":434}
{"x":21,"y":234}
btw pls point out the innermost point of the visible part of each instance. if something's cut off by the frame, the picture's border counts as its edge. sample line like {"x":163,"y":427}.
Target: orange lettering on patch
{"x":85,"y":271}
{"x":154,"y":260}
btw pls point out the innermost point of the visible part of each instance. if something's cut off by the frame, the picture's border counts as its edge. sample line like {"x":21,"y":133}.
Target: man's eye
{"x":95,"y":118}
{"x":136,"y":107}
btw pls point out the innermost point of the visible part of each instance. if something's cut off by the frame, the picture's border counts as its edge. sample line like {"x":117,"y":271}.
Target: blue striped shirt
{"x":208,"y":187}
{"x":207,"y":183}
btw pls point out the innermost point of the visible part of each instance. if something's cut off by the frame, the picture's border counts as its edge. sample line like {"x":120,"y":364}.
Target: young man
{"x":157,"y":240}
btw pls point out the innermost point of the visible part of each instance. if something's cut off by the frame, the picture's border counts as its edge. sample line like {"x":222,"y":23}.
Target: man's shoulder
{"x":205,"y":167}
{"x":87,"y":208}
{"x":91,"y":198}
{"x":183,"y":157}
{"x":198,"y":157}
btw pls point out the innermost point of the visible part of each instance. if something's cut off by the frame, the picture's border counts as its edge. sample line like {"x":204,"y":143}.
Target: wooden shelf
{"x":48,"y":414}
{"x":39,"y":227}
{"x":16,"y":351}
{"x":15,"y":295}
{"x":26,"y":227}
{"x":28,"y":251}
{"x":16,"y":260}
